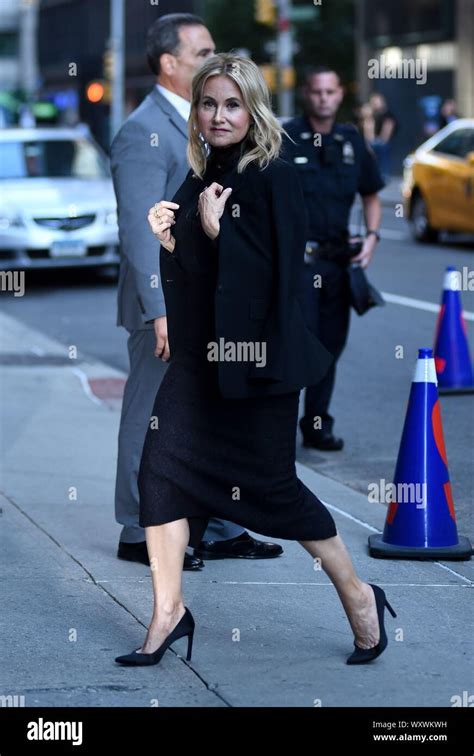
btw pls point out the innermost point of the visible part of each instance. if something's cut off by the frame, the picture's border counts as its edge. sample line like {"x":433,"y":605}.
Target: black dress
{"x":209,"y":456}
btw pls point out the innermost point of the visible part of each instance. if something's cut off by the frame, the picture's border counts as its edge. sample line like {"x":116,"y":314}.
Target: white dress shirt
{"x":182,"y":106}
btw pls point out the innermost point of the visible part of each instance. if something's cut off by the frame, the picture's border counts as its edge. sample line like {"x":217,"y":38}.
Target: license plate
{"x":68,"y":248}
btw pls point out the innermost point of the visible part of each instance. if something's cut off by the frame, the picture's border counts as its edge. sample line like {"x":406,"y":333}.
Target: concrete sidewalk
{"x":269,"y":633}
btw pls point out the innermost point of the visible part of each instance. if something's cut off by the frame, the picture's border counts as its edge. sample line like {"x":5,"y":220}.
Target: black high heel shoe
{"x":364,"y":655}
{"x":184,"y":627}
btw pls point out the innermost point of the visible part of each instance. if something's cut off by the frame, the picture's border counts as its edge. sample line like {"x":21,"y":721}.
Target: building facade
{"x":9,"y":44}
{"x":19,"y":74}
{"x":429,"y":44}
{"x":73,"y":40}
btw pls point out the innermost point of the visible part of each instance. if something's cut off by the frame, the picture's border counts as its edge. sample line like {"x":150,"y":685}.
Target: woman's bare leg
{"x":166,"y":545}
{"x":357,"y":597}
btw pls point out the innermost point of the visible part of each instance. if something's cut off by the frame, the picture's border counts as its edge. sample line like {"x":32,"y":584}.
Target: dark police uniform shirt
{"x":331,"y":174}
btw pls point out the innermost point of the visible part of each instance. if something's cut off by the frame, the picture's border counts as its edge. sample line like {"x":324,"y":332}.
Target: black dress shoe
{"x":322,"y":439}
{"x":242,"y":547}
{"x":137,"y":552}
{"x":326,"y":442}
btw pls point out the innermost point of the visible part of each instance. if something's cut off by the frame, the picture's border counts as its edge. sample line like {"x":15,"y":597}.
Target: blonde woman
{"x":222,"y":437}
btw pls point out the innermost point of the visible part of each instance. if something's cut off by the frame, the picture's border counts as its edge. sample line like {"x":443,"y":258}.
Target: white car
{"x":57,"y":203}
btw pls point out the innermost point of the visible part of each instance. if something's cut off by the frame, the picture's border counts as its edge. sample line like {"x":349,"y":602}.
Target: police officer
{"x":334,"y":164}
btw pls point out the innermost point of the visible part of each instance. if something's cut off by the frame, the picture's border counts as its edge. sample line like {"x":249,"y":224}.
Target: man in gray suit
{"x":148,"y":160}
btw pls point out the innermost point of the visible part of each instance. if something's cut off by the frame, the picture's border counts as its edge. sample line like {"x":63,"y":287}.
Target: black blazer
{"x":261,"y":252}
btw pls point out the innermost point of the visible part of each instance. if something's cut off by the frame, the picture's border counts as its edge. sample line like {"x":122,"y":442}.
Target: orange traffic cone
{"x":421,"y":521}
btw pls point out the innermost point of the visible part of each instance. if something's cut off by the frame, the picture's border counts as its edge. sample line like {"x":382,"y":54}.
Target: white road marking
{"x":370,"y":527}
{"x":449,"y":569}
{"x":388,"y":233}
{"x":310,"y":478}
{"x":346,"y":514}
{"x":85,"y":385}
{"x":329,"y":585}
{"x":419,"y":304}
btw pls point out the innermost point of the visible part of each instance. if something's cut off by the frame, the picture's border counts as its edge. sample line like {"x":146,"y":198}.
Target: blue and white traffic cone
{"x":421,"y":521}
{"x":452,"y":359}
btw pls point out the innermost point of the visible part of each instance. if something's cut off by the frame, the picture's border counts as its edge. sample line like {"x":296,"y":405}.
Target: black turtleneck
{"x":222,"y":159}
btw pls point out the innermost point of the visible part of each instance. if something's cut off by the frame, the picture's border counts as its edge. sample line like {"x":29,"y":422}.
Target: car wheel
{"x":419,"y":221}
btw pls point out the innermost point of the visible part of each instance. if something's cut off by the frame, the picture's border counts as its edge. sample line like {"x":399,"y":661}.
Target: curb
{"x":24,"y":347}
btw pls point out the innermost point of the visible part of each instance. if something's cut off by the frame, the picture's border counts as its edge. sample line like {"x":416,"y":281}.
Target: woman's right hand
{"x":161,"y":219}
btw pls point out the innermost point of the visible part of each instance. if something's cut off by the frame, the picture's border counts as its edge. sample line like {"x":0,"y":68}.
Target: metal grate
{"x":65,"y":224}
{"x":12,"y":358}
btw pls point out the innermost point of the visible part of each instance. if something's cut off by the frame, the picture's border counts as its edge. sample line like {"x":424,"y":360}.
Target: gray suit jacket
{"x":148,"y":162}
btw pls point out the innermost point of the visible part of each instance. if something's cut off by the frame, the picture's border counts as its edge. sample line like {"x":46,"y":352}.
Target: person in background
{"x":334,"y":164}
{"x":365,"y":121}
{"x":385,"y":126}
{"x":448,"y":113}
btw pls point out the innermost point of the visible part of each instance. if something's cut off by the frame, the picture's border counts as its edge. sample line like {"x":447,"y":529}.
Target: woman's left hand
{"x":211,"y":206}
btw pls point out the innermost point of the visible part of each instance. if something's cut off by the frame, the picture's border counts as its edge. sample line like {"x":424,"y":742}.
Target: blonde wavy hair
{"x":265,"y":133}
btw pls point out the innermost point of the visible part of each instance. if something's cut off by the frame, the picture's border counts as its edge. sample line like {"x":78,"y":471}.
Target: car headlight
{"x":408,"y":168}
{"x":111,"y":217}
{"x":10,"y":221}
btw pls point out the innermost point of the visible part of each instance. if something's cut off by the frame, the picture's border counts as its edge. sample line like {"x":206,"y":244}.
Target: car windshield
{"x":459,"y":143}
{"x":51,"y":158}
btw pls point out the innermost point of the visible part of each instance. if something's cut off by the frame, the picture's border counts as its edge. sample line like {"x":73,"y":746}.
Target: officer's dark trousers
{"x":327,"y":314}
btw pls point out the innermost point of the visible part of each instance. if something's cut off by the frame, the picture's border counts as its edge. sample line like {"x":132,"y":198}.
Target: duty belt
{"x":338,"y":251}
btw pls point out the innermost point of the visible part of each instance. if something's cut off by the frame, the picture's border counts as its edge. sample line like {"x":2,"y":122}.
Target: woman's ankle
{"x":353,"y":591}
{"x":169,"y":609}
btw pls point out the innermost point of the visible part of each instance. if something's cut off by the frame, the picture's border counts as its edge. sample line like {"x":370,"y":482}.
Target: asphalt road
{"x":79,"y":308}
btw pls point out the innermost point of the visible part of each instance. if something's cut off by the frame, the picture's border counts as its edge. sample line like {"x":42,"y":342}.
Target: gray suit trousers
{"x":146,"y":373}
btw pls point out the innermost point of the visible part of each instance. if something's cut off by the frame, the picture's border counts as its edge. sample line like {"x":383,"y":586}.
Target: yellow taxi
{"x":438,"y":183}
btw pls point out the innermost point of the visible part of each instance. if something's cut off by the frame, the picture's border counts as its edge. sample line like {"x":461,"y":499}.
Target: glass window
{"x":55,"y":158}
{"x":403,"y":21}
{"x":470,"y":142}
{"x":8,"y":44}
{"x":459,"y":143}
